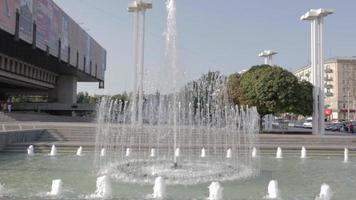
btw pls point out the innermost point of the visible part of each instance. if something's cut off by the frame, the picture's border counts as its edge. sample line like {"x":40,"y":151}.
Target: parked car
{"x":308,"y":123}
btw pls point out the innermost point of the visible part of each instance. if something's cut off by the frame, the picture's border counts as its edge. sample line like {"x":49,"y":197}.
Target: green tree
{"x":274,"y":90}
{"x":233,"y":86}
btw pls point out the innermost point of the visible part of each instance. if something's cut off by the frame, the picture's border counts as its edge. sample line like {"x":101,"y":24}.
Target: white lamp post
{"x":267,"y":54}
{"x":138,"y":7}
{"x":316,"y":17}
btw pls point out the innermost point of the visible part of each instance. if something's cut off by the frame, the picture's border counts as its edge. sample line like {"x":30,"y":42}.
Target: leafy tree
{"x":233,"y":86}
{"x":274,"y":90}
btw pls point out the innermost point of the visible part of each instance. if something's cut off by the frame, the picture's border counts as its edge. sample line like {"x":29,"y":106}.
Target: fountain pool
{"x":30,"y":177}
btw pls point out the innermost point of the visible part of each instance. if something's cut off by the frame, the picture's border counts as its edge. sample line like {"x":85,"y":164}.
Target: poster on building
{"x":8,"y":15}
{"x":87,"y":52}
{"x":74,"y":43}
{"x":25,"y":8}
{"x":64,"y":37}
{"x":55,"y":29}
{"x":43,"y":22}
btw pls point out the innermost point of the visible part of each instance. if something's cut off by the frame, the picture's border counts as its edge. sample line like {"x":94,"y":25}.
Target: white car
{"x":308,"y":123}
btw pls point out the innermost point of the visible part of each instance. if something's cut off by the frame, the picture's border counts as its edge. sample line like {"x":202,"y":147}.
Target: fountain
{"x":272,"y":190}
{"x":228,"y":153}
{"x":79,"y":151}
{"x":56,"y":190}
{"x":159,"y":189}
{"x":128,"y":152}
{"x":203,"y":153}
{"x":103,"y":188}
{"x":279,"y":153}
{"x":254,"y":152}
{"x":174,"y":124}
{"x":325,"y":193}
{"x":215,"y":191}
{"x":346,"y":155}
{"x":53,"y":150}
{"x":103,"y":152}
{"x":303,"y":153}
{"x":153,"y":152}
{"x":31,"y":150}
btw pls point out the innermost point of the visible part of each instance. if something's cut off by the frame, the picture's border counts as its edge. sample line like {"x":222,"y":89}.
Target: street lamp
{"x":267,"y":54}
{"x":316,"y":17}
{"x":138,"y":7}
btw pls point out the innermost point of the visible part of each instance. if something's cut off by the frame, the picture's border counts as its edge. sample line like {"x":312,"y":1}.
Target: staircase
{"x":66,"y":139}
{"x":4,"y":117}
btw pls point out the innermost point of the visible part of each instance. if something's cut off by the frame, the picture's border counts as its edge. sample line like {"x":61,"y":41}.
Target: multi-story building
{"x":340,"y":87}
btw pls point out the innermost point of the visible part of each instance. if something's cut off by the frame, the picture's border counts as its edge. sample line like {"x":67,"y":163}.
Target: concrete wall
{"x":18,"y":136}
{"x":65,"y":91}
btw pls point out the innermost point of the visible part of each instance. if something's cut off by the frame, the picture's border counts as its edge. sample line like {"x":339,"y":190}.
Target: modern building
{"x":340,"y":87}
{"x":43,"y":51}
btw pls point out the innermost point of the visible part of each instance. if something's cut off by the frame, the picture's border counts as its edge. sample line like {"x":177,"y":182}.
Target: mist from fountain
{"x":2,"y":190}
{"x":215,"y":191}
{"x":53,"y":150}
{"x":56,"y":189}
{"x":325,"y":193}
{"x":31,"y":150}
{"x":159,"y":188}
{"x":273,"y":190}
{"x":103,"y":188}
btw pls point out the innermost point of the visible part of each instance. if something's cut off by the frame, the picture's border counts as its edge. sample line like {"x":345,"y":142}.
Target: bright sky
{"x":224,"y":35}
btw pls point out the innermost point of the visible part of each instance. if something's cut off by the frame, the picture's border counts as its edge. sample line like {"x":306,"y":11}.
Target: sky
{"x":215,"y":35}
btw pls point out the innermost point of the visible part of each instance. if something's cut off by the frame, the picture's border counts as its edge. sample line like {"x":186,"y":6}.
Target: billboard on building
{"x":8,"y":15}
{"x":43,"y":23}
{"x":25,"y":8}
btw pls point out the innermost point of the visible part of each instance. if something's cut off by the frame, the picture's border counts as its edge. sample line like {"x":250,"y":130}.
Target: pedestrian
{"x":9,"y":107}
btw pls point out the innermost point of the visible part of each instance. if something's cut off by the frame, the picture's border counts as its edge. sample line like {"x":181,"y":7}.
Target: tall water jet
{"x":53,"y":150}
{"x":279,"y":153}
{"x":79,"y":151}
{"x":273,"y":190}
{"x":159,"y":189}
{"x":56,"y":189}
{"x":128,"y":152}
{"x":203,"y":153}
{"x":153,"y":153}
{"x":325,"y":192}
{"x":254,"y":152}
{"x":346,"y":155}
{"x":215,"y":191}
{"x":103,"y":187}
{"x":229,"y":153}
{"x":303,"y":153}
{"x":102,"y":152}
{"x":31,"y":150}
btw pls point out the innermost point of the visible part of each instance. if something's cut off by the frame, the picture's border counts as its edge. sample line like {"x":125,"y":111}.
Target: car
{"x":308,"y":123}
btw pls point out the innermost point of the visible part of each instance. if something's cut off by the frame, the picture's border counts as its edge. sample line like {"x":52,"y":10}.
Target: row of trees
{"x":272,"y":89}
